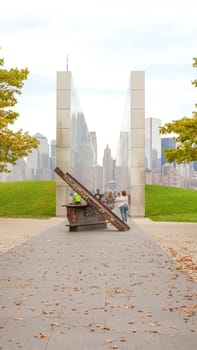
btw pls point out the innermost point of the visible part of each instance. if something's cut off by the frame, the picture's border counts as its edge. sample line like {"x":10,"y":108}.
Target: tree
{"x":185,"y":131}
{"x":13,"y":145}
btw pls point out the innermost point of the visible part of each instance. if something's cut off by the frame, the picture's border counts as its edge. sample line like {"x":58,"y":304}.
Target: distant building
{"x":108,"y":167}
{"x":93,"y":142}
{"x":18,"y":171}
{"x":122,"y":161}
{"x":167,"y":142}
{"x":53,"y":158}
{"x":38,"y":164}
{"x":152,"y":144}
{"x":194,"y":164}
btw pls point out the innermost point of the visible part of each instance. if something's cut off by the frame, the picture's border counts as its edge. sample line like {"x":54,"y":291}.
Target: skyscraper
{"x":93,"y":141}
{"x":108,"y":167}
{"x":152,"y":144}
{"x":166,"y":142}
{"x":38,"y":165}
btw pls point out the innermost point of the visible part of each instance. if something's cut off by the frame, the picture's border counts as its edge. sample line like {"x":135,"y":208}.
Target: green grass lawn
{"x":36,"y":199}
{"x":27,"y":199}
{"x":171,"y":204}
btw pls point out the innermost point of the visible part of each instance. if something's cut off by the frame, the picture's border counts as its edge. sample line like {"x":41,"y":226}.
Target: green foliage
{"x":165,"y":203}
{"x":185,"y":131}
{"x":194,"y":82}
{"x":27,"y":199}
{"x":13,"y":145}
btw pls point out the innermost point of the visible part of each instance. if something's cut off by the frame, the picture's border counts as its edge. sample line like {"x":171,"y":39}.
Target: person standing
{"x":110,"y":201}
{"x":103,"y":199}
{"x":77,"y":198}
{"x":123,"y":205}
{"x":98,"y":194}
{"x":71,"y":198}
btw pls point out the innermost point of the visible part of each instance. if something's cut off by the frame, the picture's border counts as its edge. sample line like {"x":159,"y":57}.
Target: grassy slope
{"x":171,"y":204}
{"x":27,"y":199}
{"x":36,"y":199}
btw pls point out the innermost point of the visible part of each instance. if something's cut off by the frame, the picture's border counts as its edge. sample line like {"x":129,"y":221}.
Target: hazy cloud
{"x":105,"y":40}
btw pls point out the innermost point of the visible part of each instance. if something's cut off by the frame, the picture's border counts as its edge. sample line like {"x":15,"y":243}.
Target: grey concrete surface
{"x":93,"y":290}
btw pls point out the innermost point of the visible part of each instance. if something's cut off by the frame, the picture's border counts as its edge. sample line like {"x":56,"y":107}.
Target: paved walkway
{"x":94,"y":290}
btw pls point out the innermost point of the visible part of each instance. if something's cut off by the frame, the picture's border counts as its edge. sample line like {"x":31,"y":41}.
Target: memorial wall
{"x":130,"y":158}
{"x":74,"y":151}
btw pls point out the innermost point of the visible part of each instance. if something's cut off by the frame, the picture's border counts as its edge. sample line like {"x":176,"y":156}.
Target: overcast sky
{"x":104,"y":40}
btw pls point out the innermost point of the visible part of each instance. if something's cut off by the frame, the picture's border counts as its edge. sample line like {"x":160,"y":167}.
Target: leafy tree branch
{"x":185,"y":131}
{"x":13,"y":145}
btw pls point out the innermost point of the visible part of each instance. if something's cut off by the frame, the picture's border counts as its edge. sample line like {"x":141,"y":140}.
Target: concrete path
{"x":94,"y":290}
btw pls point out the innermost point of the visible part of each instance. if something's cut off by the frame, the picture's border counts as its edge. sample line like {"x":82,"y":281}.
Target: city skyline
{"x":35,"y":166}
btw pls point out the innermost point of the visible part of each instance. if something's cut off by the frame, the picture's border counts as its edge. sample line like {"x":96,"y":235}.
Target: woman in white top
{"x":123,"y":205}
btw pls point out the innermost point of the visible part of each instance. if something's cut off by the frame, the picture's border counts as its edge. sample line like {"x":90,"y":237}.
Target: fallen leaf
{"x":191,"y":297}
{"x":103,"y":327}
{"x":173,"y":327}
{"x":43,"y":335}
{"x":18,"y":303}
{"x":189,"y":311}
{"x":114,"y":306}
{"x":88,"y":325}
{"x":150,"y":331}
{"x":108,"y":341}
{"x":54,"y":325}
{"x":123,"y":339}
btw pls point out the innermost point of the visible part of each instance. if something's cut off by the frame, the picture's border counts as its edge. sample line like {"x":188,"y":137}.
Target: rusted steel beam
{"x":92,"y":201}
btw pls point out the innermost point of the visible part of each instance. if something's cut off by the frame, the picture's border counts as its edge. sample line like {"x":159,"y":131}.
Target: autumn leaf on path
{"x":18,"y":303}
{"x":190,"y":311}
{"x":130,"y":306}
{"x":150,"y":331}
{"x":103,"y":327}
{"x":108,"y":341}
{"x":43,"y":335}
{"x":173,"y":327}
{"x":184,"y":259}
{"x":186,"y":263}
{"x":191,"y":296}
{"x":89,"y":326}
{"x":172,"y":251}
{"x":54,"y":325}
{"x":123,"y":339}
